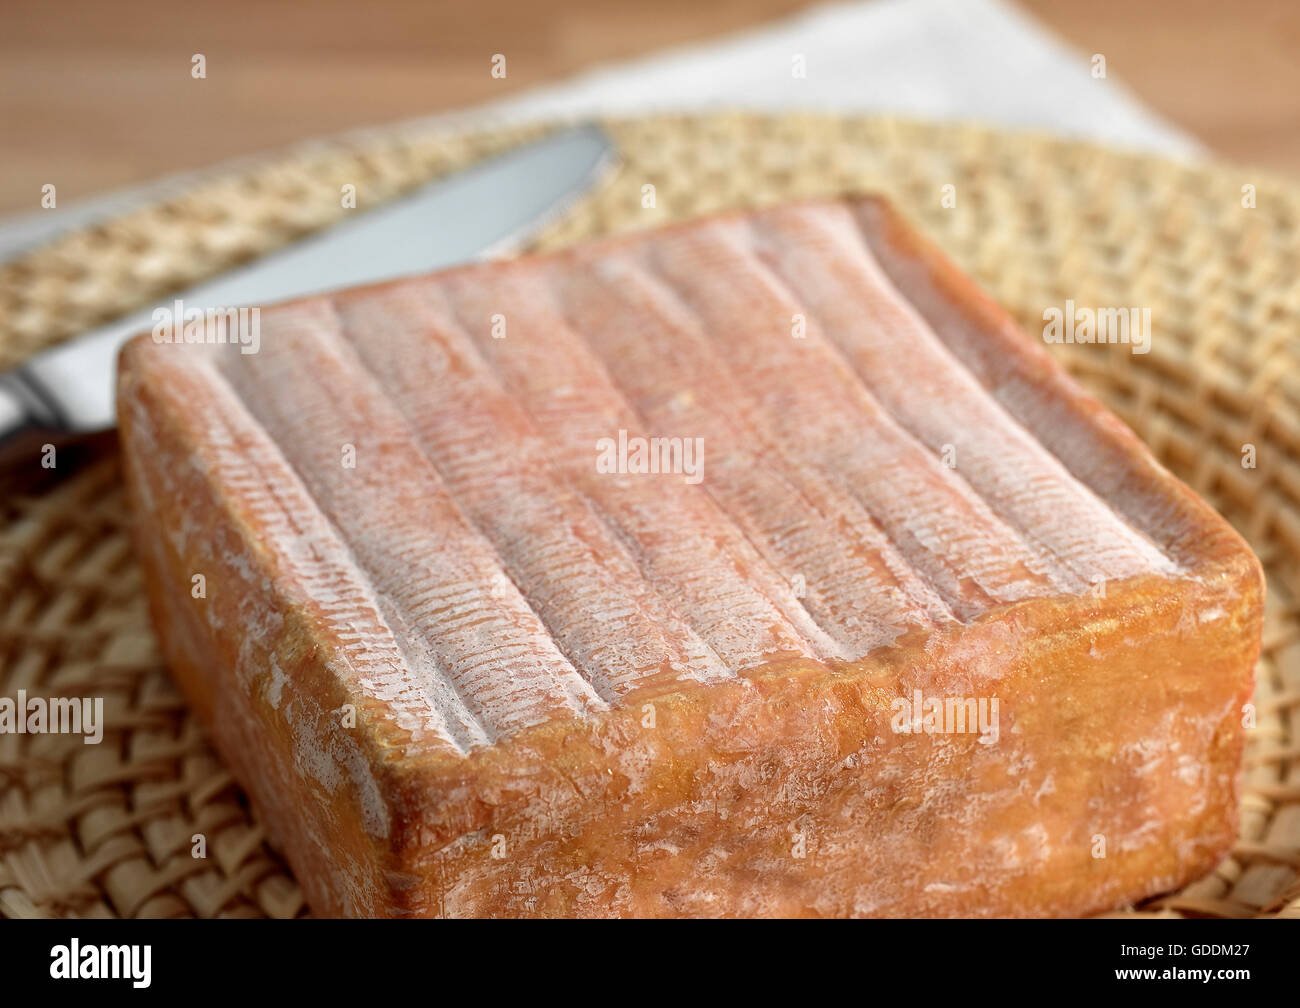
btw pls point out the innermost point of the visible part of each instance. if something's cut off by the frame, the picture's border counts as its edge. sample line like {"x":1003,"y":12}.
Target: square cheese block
{"x":755,"y":566}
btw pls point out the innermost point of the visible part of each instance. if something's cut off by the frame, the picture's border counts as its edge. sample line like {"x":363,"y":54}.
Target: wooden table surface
{"x":95,"y":95}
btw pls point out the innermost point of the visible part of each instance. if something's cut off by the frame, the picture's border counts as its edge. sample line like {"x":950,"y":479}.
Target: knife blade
{"x":473,"y":214}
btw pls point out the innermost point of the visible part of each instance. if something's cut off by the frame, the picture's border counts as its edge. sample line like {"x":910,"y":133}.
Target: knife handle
{"x":26,"y":423}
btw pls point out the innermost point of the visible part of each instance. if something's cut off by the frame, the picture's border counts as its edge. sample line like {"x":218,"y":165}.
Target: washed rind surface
{"x":474,"y":675}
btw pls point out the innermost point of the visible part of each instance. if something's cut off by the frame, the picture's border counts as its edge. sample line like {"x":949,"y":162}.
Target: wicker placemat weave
{"x":107,"y":830}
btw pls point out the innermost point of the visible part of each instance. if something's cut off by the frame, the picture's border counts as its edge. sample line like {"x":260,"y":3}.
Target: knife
{"x":476,"y":213}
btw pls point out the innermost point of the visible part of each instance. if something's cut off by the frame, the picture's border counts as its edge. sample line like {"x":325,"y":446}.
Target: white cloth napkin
{"x":980,"y":60}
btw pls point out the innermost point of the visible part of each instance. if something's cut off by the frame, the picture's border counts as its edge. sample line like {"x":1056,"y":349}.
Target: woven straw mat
{"x":106,"y":830}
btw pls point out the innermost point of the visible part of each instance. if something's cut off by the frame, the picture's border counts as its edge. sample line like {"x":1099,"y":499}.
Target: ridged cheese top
{"x":428,"y":461}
